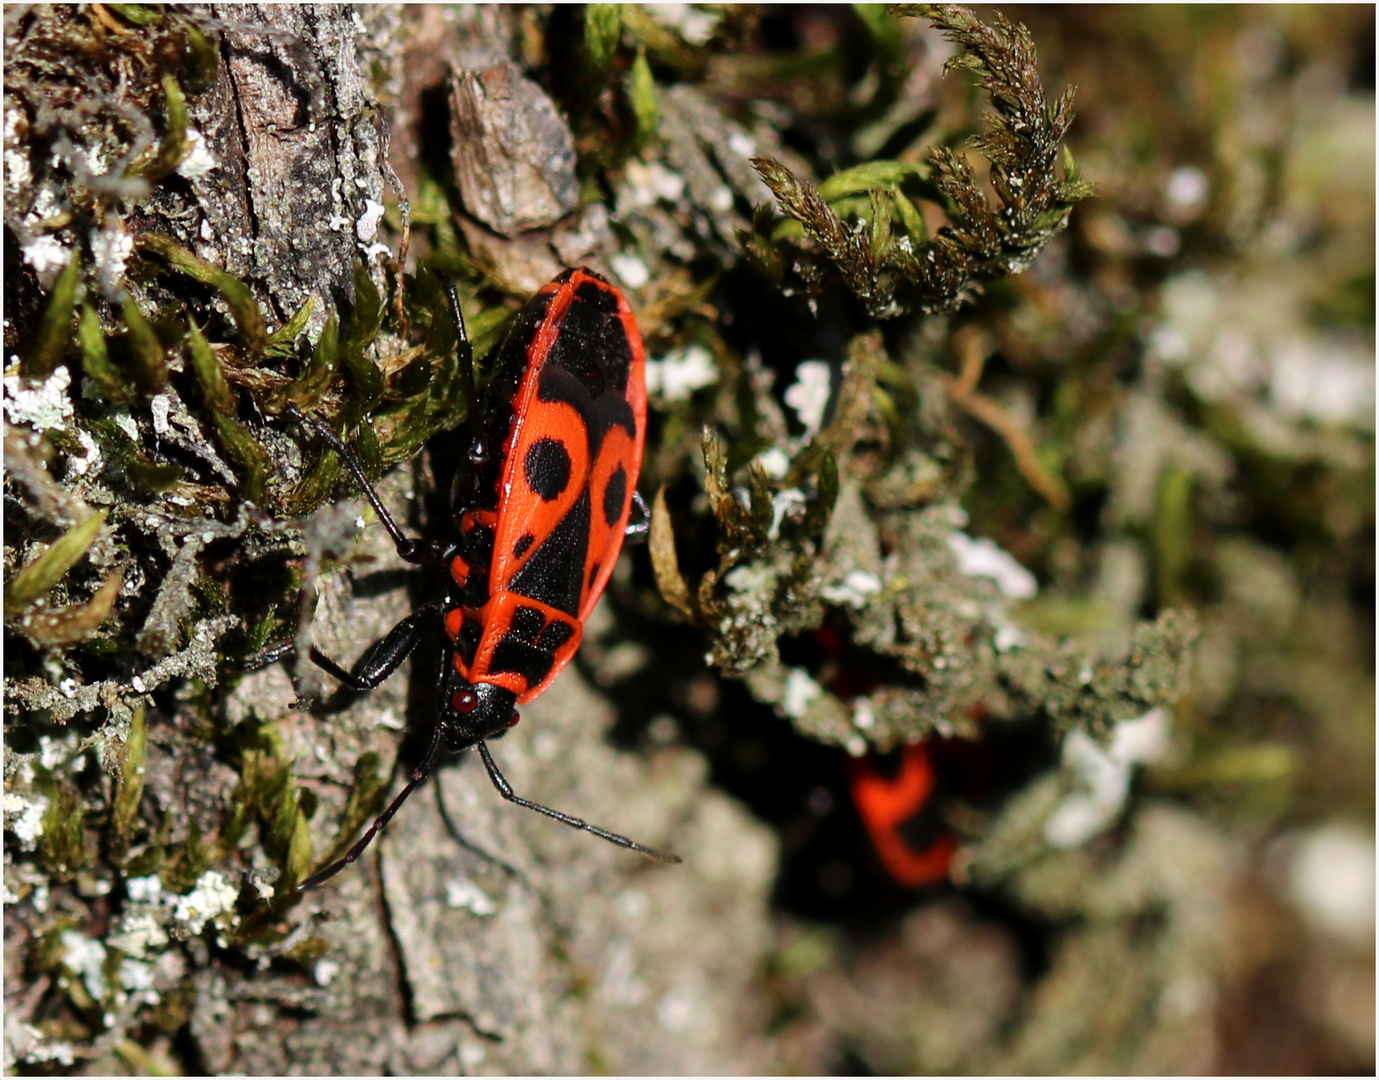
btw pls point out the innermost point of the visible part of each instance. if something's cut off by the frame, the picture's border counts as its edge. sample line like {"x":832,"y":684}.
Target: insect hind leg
{"x":637,"y":531}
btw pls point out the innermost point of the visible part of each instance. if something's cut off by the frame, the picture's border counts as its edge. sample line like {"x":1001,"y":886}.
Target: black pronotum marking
{"x":526,"y":660}
{"x":547,"y":466}
{"x":467,"y":642}
{"x":530,"y":645}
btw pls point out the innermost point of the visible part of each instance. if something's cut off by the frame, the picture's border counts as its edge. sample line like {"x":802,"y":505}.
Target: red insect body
{"x":569,"y":466}
{"x":542,"y":506}
{"x":893,"y":798}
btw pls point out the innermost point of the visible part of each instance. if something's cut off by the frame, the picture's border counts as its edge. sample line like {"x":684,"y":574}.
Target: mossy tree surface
{"x":944,"y":448}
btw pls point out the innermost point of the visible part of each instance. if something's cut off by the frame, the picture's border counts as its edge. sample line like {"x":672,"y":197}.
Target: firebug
{"x":552,"y":449}
{"x":894,"y":795}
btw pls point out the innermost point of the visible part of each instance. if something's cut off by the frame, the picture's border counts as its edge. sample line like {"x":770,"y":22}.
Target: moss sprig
{"x":884,"y":254}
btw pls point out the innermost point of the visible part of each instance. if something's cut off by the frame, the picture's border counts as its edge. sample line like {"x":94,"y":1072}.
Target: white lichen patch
{"x":675,"y":376}
{"x":24,"y":818}
{"x":37,"y":1050}
{"x":785,"y":503}
{"x":125,"y":422}
{"x":46,"y":254}
{"x":90,"y":458}
{"x":630,"y":270}
{"x":1331,"y":880}
{"x":981,"y":557}
{"x":800,"y":691}
{"x":461,"y":893}
{"x":144,"y":890}
{"x":199,"y":160}
{"x":1101,"y":777}
{"x":692,"y":23}
{"x":212,"y":897}
{"x":855,"y":590}
{"x":808,"y":394}
{"x":646,"y":184}
{"x":774,"y":462}
{"x":367,"y":225}
{"x":85,"y":958}
{"x":139,"y":932}
{"x":43,"y":407}
{"x":1007,"y":638}
{"x":111,"y":247}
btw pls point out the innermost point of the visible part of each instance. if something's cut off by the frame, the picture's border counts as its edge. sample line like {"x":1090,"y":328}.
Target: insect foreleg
{"x":419,"y":776}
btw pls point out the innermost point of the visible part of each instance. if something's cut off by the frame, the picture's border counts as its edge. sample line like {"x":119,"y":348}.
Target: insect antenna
{"x":419,"y":775}
{"x":505,"y":790}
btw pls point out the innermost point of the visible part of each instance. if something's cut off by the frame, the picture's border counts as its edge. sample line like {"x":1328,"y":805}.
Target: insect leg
{"x":412,"y":550}
{"x":270,"y":655}
{"x":637,"y":530}
{"x":384,"y":657}
{"x":419,"y":775}
{"x":464,"y":350}
{"x":505,"y":790}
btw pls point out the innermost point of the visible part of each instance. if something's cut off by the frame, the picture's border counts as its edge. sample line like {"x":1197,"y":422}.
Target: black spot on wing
{"x":547,"y":468}
{"x":594,"y":573}
{"x":554,"y":572}
{"x":524,"y":542}
{"x":615,"y":496}
{"x":921,"y":829}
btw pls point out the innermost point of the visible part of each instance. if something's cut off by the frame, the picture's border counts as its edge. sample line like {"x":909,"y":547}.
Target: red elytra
{"x":542,"y":501}
{"x":893,"y":794}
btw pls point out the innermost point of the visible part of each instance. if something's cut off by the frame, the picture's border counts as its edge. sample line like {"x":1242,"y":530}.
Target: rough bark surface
{"x":960,"y":547}
{"x":296,"y":132}
{"x":476,"y":937}
{"x":473,"y":937}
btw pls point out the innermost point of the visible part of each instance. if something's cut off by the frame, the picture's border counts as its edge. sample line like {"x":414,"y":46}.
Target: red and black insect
{"x":894,"y":796}
{"x":541,"y":501}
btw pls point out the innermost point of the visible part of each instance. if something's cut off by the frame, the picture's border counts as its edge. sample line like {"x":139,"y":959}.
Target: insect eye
{"x":512,"y":720}
{"x":465,"y":701}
